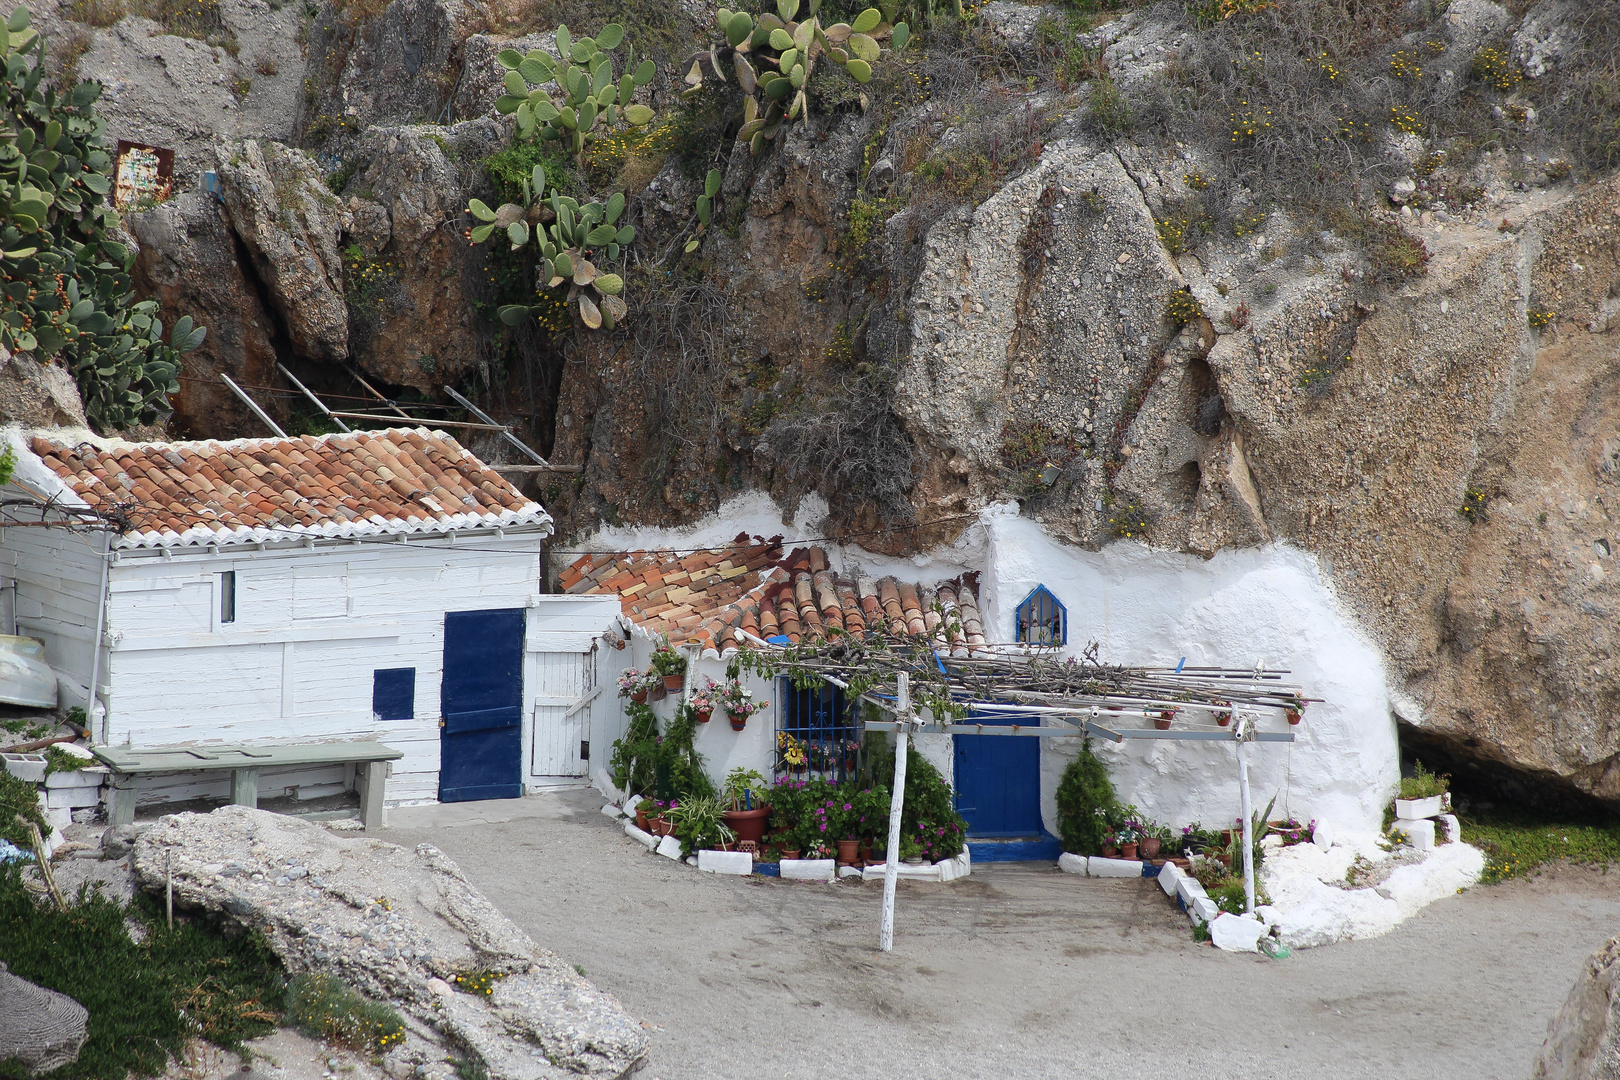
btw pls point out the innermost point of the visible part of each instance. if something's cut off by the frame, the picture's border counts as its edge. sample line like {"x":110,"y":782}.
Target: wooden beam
{"x":535,"y":468}
{"x":416,"y":421}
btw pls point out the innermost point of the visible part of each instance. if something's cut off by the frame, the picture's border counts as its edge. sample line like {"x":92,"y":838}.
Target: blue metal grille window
{"x":1041,"y":619}
{"x":816,"y":737}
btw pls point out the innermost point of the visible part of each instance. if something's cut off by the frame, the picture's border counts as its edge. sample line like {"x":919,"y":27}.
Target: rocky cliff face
{"x":969,"y":280}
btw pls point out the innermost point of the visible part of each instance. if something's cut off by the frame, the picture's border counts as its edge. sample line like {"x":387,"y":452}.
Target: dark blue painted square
{"x":393,"y":693}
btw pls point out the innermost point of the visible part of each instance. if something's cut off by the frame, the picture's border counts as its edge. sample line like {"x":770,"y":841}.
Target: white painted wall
{"x":567,"y":699}
{"x":57,"y":575}
{"x":1144,"y":607}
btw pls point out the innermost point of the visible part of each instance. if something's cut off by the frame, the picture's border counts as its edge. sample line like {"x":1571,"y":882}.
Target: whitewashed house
{"x":376,"y":586}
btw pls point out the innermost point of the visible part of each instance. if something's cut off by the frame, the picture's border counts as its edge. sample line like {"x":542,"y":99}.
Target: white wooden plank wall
{"x":329,"y":626}
{"x":556,"y":687}
{"x":58,"y":574}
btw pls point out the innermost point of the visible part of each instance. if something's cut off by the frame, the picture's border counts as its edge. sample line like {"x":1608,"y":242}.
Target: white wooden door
{"x":563,"y":691}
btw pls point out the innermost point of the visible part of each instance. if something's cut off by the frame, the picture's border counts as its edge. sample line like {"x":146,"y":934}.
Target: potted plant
{"x":747,"y":806}
{"x":704,"y":699}
{"x":1224,"y":717}
{"x":662,"y":822}
{"x":699,"y":824}
{"x":1421,"y":794}
{"x":670,"y":667}
{"x":1151,"y":840}
{"x":1162,"y":718}
{"x":818,"y":849}
{"x":644,"y":811}
{"x":738,"y":702}
{"x":635,"y":684}
{"x":1110,"y":844}
{"x":1295,"y":715}
{"x":1129,"y":834}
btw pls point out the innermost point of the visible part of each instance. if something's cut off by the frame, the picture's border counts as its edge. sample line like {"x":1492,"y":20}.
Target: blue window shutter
{"x":393,"y":693}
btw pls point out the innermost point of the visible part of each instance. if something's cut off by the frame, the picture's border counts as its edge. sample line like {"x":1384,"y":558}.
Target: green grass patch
{"x":326,"y":1008}
{"x":1516,"y":844}
{"x":147,"y":999}
{"x":18,"y":800}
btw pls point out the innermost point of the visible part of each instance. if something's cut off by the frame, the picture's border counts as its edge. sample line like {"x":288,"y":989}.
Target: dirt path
{"x":1017,"y":971}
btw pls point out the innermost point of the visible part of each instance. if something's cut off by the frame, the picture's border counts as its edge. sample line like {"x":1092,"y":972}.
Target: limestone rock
{"x":396,"y":924}
{"x":1236,"y":933}
{"x":36,"y":394}
{"x":1015,"y":23}
{"x":41,"y":1028}
{"x":399,"y":68}
{"x":278,"y":204}
{"x":417,"y":328}
{"x":188,"y":262}
{"x":481,"y":77}
{"x":1546,"y":35}
{"x":1583,"y":1040}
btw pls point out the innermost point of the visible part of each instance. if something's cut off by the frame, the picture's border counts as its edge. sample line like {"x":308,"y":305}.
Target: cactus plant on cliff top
{"x":772,"y":57}
{"x":65,"y":288}
{"x":593,"y":100}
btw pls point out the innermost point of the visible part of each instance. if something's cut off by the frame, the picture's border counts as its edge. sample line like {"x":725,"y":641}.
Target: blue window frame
{"x":393,"y":693}
{"x":1041,"y":619}
{"x":816,"y":736}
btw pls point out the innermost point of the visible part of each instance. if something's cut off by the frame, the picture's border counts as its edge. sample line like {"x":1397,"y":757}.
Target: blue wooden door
{"x":481,"y":701}
{"x":998,"y":782}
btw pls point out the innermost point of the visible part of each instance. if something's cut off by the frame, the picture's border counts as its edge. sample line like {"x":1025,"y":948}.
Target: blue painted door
{"x":481,"y":702}
{"x":998,"y":782}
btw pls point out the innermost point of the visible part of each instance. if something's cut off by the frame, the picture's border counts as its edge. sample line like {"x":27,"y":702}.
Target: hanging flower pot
{"x":674,"y":684}
{"x":1162,"y":721}
{"x":1224,"y":719}
{"x":639,"y":697}
{"x":703,"y":715}
{"x":738,"y":720}
{"x":657,"y":693}
{"x":1295,"y":716}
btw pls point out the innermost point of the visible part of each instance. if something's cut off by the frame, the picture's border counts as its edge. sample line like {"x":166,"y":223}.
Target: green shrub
{"x":1182,"y":308}
{"x":509,"y":167}
{"x":19,"y":799}
{"x":1107,"y":112}
{"x":324,"y":1007}
{"x":146,"y":1000}
{"x":1423,"y":784}
{"x":929,"y":824}
{"x":1085,"y":798}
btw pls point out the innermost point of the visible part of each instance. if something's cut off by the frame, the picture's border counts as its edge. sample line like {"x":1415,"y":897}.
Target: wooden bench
{"x":130,"y":764}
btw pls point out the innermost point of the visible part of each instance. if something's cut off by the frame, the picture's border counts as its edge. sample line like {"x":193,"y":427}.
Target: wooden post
{"x":891,"y":865}
{"x":125,"y":790}
{"x":1245,"y":731}
{"x":245,"y":787}
{"x":374,"y":775}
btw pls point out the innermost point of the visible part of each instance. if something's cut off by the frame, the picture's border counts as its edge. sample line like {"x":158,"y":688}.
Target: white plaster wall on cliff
{"x":1147,"y":607}
{"x":752,"y":512}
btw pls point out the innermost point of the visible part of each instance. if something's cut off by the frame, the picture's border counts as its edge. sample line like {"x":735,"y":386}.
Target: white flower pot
{"x":1417,"y":809}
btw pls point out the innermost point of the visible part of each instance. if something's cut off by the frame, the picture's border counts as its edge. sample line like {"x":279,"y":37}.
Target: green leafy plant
{"x":65,"y":287}
{"x":744,"y":787}
{"x":324,"y":1007}
{"x":1130,"y":521}
{"x":1182,"y":308}
{"x":19,"y":805}
{"x":1473,"y":505}
{"x":594,"y":101}
{"x":1085,"y":799}
{"x":1423,"y":784}
{"x":1537,"y":317}
{"x":929,"y":824}
{"x":568,"y":235}
{"x":700,"y":823}
{"x":8,"y":464}
{"x":667,"y":661}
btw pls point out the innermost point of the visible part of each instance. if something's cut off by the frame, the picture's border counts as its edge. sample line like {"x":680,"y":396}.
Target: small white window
{"x":227,"y":597}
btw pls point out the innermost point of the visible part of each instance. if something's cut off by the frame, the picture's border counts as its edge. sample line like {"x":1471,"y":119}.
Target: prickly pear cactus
{"x":569,"y":236}
{"x":772,"y":57}
{"x":594,"y":100}
{"x":65,"y":287}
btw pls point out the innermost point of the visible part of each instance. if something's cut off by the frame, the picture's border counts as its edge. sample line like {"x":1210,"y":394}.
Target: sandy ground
{"x":1017,"y":971}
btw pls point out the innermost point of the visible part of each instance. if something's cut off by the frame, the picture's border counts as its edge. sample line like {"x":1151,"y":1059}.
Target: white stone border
{"x":742,"y":863}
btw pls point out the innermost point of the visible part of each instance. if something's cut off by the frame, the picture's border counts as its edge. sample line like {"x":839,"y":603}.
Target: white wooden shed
{"x":375,"y":586}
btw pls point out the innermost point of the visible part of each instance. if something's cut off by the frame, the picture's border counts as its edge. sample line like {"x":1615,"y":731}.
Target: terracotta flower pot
{"x":1110,"y":852}
{"x":657,"y":693}
{"x":641,"y":820}
{"x":1127,"y":851}
{"x":1150,"y":847}
{"x":866,"y":853}
{"x":747,"y":824}
{"x":1162,"y":722}
{"x":660,"y":826}
{"x":674,"y":684}
{"x":1295,"y":716}
{"x":1224,"y":719}
{"x":790,"y":853}
{"x":703,"y":715}
{"x":848,"y":852}
{"x":639,"y":697}
{"x":738,"y":722}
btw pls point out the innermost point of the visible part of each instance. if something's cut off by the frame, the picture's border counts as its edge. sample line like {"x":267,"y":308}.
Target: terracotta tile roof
{"x":752,"y":589}
{"x":364,"y":483}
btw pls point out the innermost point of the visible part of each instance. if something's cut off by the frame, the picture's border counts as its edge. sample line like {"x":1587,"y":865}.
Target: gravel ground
{"x":1017,"y":971}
